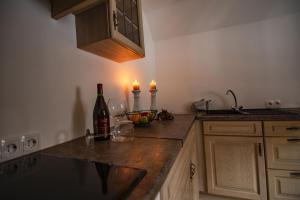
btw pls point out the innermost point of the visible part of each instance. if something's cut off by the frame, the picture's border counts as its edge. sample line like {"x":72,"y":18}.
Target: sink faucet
{"x":235,"y":107}
{"x":207,"y":104}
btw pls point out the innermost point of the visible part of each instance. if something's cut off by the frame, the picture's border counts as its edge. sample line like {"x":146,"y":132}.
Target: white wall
{"x":47,"y":85}
{"x":257,"y":60}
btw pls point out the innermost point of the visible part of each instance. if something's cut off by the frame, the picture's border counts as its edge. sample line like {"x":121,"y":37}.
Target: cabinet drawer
{"x":284,"y":185}
{"x":282,"y":128}
{"x":247,"y":128}
{"x":283,"y":153}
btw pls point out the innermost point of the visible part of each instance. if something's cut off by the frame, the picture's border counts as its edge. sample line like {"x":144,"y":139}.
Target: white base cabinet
{"x":182,"y":181}
{"x":236,"y":167}
{"x":239,"y":158}
{"x":283,"y":159}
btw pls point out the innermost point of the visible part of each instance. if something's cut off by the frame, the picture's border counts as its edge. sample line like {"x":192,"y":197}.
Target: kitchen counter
{"x":295,"y":115}
{"x":173,"y":129}
{"x":154,"y":149}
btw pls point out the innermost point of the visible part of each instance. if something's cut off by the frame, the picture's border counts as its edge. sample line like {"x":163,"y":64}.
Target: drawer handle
{"x":293,"y":128}
{"x":295,"y":174}
{"x":259,"y":149}
{"x":293,"y":139}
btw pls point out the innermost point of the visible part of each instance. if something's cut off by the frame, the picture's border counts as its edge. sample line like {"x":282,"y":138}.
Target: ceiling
{"x":173,"y":18}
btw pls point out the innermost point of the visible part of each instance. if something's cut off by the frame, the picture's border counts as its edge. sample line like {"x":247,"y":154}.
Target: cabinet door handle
{"x":169,"y":193}
{"x":192,"y":170}
{"x":293,"y":128}
{"x":115,"y":19}
{"x":259,"y":149}
{"x":293,"y":139}
{"x":295,"y":174}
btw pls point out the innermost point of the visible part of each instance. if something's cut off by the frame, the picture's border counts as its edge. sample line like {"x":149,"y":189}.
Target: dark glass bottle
{"x":101,"y":117}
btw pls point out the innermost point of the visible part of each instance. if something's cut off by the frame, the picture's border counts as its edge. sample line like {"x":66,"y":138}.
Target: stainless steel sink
{"x":269,"y":112}
{"x":250,"y":112}
{"x":222,"y":112}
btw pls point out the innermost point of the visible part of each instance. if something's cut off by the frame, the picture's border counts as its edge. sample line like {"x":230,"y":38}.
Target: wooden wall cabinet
{"x":112,"y":29}
{"x":182,"y":180}
{"x":61,"y":8}
{"x":109,"y":28}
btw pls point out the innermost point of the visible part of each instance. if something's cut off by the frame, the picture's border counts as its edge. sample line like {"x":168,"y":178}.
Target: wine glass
{"x":117,"y":109}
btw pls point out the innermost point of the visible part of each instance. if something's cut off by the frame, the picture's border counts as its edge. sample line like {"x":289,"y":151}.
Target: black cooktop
{"x":46,"y":177}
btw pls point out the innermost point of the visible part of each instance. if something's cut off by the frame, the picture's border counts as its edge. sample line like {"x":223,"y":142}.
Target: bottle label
{"x":103,"y":126}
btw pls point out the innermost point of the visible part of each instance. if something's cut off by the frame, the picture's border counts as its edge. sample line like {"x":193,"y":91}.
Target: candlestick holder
{"x":136,"y":100}
{"x":153,"y":99}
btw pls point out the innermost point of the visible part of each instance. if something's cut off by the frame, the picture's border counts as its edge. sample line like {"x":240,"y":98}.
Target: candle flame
{"x":136,"y":85}
{"x":153,"y":85}
{"x":135,"y":82}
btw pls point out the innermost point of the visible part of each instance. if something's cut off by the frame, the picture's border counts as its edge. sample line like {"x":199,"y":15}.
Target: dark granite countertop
{"x":295,"y":115}
{"x":150,"y":150}
{"x":174,"y":129}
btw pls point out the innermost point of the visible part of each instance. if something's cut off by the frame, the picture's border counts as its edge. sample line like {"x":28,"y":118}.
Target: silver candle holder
{"x":136,"y":100}
{"x":153,"y":99}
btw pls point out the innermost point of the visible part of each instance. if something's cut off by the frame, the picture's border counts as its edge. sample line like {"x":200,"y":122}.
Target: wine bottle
{"x":101,"y":117}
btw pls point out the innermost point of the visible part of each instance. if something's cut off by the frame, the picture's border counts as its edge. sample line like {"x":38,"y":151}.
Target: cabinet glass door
{"x":128,"y":20}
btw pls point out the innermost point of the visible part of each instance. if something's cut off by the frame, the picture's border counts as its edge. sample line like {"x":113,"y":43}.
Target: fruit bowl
{"x":141,"y":118}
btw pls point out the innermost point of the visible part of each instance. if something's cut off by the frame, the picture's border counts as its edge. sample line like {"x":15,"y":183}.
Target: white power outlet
{"x":30,"y":143}
{"x":14,"y":147}
{"x":277,"y":103}
{"x":269,"y":103}
{"x":10,"y":148}
{"x":273,"y":103}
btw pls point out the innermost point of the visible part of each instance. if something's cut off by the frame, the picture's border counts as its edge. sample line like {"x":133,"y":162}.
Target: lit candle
{"x":153,"y":85}
{"x":136,"y":85}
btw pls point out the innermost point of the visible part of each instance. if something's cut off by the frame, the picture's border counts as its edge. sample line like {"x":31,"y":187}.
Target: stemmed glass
{"x":117,"y":109}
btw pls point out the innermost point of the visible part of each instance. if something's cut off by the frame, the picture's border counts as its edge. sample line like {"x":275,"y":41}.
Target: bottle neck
{"x":99,"y":90}
{"x":100,"y":94}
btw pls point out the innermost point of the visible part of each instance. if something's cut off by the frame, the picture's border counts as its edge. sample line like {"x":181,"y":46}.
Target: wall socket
{"x":273,"y":103}
{"x":30,"y":143}
{"x":11,"y":148}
